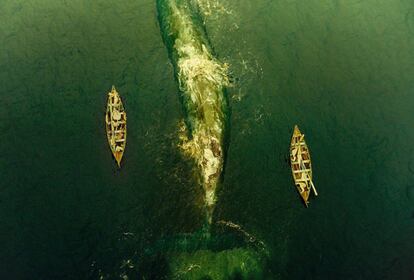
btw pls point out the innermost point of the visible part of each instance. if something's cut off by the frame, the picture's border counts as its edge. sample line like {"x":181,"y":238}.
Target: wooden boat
{"x":115,"y":121}
{"x":300,"y":163}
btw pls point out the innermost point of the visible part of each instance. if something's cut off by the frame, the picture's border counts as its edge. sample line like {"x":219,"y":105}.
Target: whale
{"x":202,"y":81}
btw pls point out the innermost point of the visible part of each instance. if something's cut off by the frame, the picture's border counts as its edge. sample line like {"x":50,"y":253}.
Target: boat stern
{"x":118,"y":158}
{"x":305,"y":197}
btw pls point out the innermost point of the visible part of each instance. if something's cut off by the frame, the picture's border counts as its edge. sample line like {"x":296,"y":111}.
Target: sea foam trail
{"x":202,"y":80}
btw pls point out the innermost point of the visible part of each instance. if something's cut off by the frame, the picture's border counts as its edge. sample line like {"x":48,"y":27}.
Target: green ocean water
{"x":342,"y":70}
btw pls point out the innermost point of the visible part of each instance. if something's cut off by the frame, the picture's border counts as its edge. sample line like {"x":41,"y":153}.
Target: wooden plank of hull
{"x":301,"y":165}
{"x":115,"y":121}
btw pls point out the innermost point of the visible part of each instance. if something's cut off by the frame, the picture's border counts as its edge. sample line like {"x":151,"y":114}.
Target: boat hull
{"x":115,"y":124}
{"x":300,"y":162}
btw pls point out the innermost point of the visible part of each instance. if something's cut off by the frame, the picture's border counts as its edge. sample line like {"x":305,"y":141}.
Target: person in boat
{"x":112,"y":140}
{"x":297,"y":154}
{"x":302,"y":187}
{"x":114,"y":98}
{"x":116,"y":117}
{"x":120,"y":136}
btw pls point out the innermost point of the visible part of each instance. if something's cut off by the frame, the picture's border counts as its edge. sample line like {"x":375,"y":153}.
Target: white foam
{"x":202,"y":79}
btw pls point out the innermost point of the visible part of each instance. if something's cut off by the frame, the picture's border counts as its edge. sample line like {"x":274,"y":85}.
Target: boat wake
{"x":202,"y":81}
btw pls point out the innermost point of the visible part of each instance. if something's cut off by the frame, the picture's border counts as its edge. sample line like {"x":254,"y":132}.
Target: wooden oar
{"x":311,"y":183}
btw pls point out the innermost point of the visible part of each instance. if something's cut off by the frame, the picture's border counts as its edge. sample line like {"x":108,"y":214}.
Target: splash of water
{"x":202,"y":81}
{"x":211,"y":8}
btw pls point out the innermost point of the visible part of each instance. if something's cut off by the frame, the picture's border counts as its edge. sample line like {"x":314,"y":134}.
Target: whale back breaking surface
{"x":202,"y":80}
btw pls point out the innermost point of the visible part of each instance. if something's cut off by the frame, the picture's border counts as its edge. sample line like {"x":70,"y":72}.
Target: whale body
{"x":202,"y":81}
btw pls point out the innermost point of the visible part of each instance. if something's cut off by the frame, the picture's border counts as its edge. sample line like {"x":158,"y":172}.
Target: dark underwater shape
{"x":227,"y":252}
